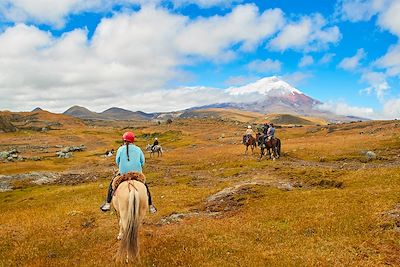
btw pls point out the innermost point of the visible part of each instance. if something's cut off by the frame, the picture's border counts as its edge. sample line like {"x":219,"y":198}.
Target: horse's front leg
{"x":272,"y":153}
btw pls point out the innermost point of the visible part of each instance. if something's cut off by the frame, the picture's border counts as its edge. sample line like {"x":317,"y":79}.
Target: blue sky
{"x":168,"y":55}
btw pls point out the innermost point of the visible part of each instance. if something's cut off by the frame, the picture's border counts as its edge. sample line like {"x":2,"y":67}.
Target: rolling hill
{"x":113,"y":113}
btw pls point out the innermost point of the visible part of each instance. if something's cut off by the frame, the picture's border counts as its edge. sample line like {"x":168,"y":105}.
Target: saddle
{"x":137,"y":176}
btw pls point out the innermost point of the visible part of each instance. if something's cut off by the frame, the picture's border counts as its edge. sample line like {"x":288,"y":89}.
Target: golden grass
{"x":61,"y":225}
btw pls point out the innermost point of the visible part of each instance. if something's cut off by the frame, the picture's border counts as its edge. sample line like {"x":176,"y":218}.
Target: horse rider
{"x":129,"y":158}
{"x":271,"y":132}
{"x":249,"y":132}
{"x":265,"y":128}
{"x":155,"y":143}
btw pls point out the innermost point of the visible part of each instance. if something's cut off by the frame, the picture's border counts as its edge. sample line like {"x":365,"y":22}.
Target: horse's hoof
{"x":119,"y":236}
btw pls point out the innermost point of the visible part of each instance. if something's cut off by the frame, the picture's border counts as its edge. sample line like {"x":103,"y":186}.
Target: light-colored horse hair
{"x":130,"y":202}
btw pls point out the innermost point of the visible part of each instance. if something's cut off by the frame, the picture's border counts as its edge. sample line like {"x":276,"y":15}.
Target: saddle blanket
{"x":137,"y":176}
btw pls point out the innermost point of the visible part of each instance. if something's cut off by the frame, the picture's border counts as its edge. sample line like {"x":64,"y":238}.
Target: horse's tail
{"x":278,"y":147}
{"x":130,"y":238}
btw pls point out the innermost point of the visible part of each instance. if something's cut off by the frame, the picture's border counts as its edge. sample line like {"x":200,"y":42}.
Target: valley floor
{"x":326,"y":201}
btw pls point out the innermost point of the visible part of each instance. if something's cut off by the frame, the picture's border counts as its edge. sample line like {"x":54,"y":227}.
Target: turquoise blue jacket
{"x":136,"y":159}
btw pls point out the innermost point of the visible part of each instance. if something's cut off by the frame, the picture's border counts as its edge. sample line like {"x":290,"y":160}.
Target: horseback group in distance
{"x":265,"y":139}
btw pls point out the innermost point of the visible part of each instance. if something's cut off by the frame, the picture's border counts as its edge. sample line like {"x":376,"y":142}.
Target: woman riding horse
{"x":132,"y":197}
{"x":130,"y":158}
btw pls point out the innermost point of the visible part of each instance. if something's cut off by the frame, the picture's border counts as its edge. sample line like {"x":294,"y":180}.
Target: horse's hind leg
{"x":262,"y":153}
{"x":119,"y":237}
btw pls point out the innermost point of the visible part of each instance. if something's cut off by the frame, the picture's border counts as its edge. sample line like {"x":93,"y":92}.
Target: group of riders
{"x":130,"y":158}
{"x":268,"y":133}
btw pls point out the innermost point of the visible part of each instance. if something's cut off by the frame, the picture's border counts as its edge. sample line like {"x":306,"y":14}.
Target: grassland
{"x":323,"y":203}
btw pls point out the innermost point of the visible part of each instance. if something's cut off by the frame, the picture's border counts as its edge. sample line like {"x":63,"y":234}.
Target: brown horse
{"x":130,"y":202}
{"x":249,"y":141}
{"x":273,"y":144}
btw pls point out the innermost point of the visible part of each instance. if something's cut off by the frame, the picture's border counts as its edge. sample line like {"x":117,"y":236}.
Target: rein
{"x":130,"y":185}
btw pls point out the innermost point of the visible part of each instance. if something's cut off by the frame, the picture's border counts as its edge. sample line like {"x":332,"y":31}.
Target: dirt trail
{"x":340,"y":165}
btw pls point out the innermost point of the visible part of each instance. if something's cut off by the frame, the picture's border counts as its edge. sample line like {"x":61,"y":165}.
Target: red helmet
{"x":129,"y":137}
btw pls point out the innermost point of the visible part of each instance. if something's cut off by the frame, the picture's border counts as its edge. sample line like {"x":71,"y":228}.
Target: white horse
{"x":130,"y":202}
{"x":156,"y":148}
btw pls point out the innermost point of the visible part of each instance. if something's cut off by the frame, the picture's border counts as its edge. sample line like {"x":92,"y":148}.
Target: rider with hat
{"x":249,"y":132}
{"x":129,"y":158}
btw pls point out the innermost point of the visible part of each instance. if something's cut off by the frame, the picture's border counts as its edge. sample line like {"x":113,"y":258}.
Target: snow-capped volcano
{"x":270,"y":95}
{"x":269,"y":86}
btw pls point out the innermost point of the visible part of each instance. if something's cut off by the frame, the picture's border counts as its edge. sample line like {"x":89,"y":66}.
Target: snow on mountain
{"x":269,"y":95}
{"x":269,"y":86}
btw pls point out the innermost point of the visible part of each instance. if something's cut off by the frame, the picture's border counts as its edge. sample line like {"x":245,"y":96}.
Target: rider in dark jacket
{"x":155,"y":143}
{"x":265,"y":128}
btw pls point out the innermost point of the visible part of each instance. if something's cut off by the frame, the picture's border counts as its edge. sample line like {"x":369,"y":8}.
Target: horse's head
{"x":148,"y":147}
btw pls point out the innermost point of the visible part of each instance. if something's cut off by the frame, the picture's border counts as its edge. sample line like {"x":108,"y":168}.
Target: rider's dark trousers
{"x":111,"y":192}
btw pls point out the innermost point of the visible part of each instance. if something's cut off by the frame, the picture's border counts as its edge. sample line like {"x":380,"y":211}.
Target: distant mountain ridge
{"x":113,"y":113}
{"x":271,"y":95}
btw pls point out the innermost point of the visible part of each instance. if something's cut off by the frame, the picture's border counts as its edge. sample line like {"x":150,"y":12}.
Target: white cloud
{"x":391,"y":61}
{"x":356,"y":10}
{"x":265,"y":66}
{"x":244,"y":26}
{"x":363,"y":10}
{"x":46,"y":11}
{"x":239,"y":80}
{"x":389,"y":18}
{"x":391,"y":108}
{"x":206,"y":3}
{"x":342,"y":108}
{"x":377,"y":81}
{"x":327,"y":58}
{"x":56,"y":12}
{"x":306,"y":61}
{"x":128,"y":55}
{"x":297,"y":78}
{"x":310,"y":33}
{"x":352,"y":63}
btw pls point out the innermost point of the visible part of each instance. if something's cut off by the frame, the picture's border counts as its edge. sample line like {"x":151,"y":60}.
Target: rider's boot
{"x":152,"y":208}
{"x":106,"y":206}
